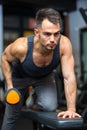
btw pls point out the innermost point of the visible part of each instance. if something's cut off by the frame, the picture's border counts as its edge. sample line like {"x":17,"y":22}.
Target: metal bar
{"x":83,"y":13}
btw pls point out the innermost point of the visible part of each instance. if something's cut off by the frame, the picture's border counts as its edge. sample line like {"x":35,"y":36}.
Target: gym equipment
{"x":82,"y":103}
{"x":12,"y":96}
{"x":83,"y":13}
{"x":30,"y":101}
{"x":50,"y":120}
{"x":82,"y":86}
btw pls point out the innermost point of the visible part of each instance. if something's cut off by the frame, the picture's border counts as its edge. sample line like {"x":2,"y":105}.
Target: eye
{"x":57,"y":34}
{"x":47,"y":34}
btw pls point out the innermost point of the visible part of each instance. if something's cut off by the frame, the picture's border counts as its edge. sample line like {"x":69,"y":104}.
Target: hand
{"x":68,"y":114}
{"x":9,"y":87}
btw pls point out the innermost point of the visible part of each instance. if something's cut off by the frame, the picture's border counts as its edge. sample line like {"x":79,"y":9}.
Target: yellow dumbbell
{"x":12,"y":96}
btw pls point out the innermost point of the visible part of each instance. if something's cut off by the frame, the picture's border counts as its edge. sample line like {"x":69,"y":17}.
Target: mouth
{"x":51,"y":45}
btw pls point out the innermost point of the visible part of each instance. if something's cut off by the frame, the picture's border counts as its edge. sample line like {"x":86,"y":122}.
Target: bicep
{"x":67,"y":66}
{"x":67,"y":62}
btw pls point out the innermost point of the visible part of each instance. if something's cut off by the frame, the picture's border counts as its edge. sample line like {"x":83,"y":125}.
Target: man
{"x":31,"y":61}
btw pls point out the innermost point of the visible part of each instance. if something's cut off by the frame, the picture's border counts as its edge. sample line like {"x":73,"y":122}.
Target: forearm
{"x":70,"y":92}
{"x":7,"y":72}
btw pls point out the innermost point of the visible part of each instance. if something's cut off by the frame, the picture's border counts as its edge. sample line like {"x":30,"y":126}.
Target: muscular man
{"x":31,"y":61}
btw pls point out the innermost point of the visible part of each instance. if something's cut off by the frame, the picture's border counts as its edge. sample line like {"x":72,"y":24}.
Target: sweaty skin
{"x":45,"y":41}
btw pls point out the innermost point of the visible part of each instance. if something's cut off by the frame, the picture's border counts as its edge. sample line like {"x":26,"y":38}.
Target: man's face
{"x":48,"y":34}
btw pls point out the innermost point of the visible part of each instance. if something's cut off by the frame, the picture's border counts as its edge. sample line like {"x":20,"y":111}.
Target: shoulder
{"x":65,"y":40}
{"x":20,"y":42}
{"x":65,"y":44}
{"x":18,"y":48}
{"x":19,"y":45}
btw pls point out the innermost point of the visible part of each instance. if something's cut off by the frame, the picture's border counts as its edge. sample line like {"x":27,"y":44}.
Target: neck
{"x":41,"y":49}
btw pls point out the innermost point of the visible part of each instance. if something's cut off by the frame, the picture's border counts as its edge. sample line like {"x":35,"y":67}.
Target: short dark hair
{"x":51,"y":14}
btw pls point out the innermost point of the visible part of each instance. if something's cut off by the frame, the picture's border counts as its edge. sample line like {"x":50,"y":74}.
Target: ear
{"x":36,"y":31}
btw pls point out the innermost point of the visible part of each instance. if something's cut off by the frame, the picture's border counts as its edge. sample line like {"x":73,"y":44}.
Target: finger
{"x":77,"y":115}
{"x":60,"y":114}
{"x":67,"y":116}
{"x":73,"y":116}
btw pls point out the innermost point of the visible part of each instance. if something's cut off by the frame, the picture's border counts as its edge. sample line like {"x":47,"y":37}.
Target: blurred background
{"x":17,"y":18}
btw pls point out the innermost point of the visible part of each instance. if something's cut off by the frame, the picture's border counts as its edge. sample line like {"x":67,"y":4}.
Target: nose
{"x":52,"y":38}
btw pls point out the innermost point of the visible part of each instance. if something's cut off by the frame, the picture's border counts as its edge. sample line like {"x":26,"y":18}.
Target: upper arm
{"x":67,"y":59}
{"x":15,"y":51}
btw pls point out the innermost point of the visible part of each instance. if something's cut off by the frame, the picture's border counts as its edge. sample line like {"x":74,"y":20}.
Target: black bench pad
{"x":51,"y":120}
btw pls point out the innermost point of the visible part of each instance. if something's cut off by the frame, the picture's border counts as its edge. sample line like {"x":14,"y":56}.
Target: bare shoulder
{"x":65,"y":40}
{"x":20,"y":44}
{"x":65,"y":45}
{"x":17,"y":49}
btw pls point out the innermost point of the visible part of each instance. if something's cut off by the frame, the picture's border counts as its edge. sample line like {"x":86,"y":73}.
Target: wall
{"x":1,"y":36}
{"x":76,"y":22}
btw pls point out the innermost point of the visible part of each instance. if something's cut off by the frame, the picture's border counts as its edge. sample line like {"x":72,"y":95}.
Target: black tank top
{"x":28,"y":69}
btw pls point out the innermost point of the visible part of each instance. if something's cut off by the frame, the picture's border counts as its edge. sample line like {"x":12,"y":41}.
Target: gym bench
{"x":49,"y":120}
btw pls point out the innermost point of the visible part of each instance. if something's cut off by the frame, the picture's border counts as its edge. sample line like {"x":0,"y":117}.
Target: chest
{"x":41,"y":60}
